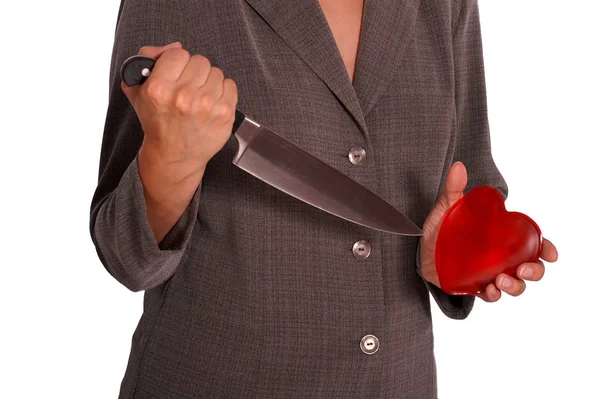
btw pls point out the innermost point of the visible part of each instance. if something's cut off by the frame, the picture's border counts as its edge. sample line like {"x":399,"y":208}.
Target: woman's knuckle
{"x":205,"y":102}
{"x":222,"y":111}
{"x":155,"y":91}
{"x":184,"y":99}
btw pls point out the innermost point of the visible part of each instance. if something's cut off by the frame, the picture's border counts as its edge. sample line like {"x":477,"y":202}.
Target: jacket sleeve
{"x":472,"y":136}
{"x":118,"y":223}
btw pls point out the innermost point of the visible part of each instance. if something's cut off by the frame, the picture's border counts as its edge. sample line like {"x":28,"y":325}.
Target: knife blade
{"x":269,"y":157}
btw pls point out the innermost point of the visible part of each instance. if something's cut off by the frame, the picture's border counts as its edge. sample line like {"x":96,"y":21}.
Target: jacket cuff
{"x":126,"y":241}
{"x":453,"y":306}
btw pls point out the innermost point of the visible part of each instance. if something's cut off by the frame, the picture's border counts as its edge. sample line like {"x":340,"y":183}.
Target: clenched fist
{"x":186,"y":109}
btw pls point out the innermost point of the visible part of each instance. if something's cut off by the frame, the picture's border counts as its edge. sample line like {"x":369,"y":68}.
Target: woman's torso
{"x":269,"y":300}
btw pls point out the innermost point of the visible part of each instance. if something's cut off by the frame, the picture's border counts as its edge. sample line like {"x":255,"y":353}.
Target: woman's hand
{"x":526,"y":271}
{"x":186,"y":109}
{"x":454,"y":187}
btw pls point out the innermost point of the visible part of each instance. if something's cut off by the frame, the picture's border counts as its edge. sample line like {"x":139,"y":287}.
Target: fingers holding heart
{"x":531,"y":271}
{"x":549,"y":251}
{"x":515,"y":287}
{"x":510,"y":285}
{"x":491,"y":293}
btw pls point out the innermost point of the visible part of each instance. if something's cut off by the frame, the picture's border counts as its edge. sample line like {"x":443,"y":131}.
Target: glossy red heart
{"x":479,"y":239}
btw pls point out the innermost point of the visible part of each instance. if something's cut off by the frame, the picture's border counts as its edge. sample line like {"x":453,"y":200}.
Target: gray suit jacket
{"x":254,"y":293}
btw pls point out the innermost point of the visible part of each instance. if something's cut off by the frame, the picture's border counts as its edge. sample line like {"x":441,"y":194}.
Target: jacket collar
{"x":385,"y":31}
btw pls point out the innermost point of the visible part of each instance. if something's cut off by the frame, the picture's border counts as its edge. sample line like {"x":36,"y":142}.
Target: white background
{"x":67,"y":324}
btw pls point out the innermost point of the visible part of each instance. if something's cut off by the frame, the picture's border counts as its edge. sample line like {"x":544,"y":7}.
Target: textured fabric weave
{"x":254,"y":293}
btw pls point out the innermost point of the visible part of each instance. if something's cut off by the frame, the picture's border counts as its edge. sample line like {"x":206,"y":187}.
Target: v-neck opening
{"x":351,"y":79}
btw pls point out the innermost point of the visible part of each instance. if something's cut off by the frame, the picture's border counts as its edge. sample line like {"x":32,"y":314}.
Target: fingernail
{"x":505,"y":282}
{"x":527,"y":272}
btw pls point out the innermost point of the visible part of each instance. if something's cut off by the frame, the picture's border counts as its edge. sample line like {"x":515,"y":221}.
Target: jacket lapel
{"x":386,"y":30}
{"x":303,"y":26}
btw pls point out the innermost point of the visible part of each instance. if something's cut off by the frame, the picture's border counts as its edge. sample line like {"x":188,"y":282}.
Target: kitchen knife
{"x":283,"y":165}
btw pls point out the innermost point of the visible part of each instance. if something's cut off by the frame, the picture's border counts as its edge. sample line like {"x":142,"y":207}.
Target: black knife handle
{"x":136,"y":69}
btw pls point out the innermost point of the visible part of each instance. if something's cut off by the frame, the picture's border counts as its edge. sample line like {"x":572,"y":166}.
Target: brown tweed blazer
{"x":253,"y":293}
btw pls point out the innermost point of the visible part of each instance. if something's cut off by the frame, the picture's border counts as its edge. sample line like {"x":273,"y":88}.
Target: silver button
{"x":369,"y":344}
{"x":361,"y":249}
{"x":357,"y":155}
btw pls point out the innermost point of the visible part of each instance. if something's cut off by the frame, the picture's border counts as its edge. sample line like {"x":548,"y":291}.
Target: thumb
{"x":455,"y":185}
{"x":152,"y":52}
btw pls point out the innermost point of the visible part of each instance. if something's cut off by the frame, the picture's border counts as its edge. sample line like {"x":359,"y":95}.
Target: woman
{"x":250,"y":292}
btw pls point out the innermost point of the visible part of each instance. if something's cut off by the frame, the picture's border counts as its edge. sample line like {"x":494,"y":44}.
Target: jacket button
{"x":369,"y":344}
{"x":357,"y":155}
{"x":361,"y":249}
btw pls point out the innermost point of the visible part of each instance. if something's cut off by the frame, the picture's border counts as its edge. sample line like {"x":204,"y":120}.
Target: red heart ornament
{"x":479,"y":239}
